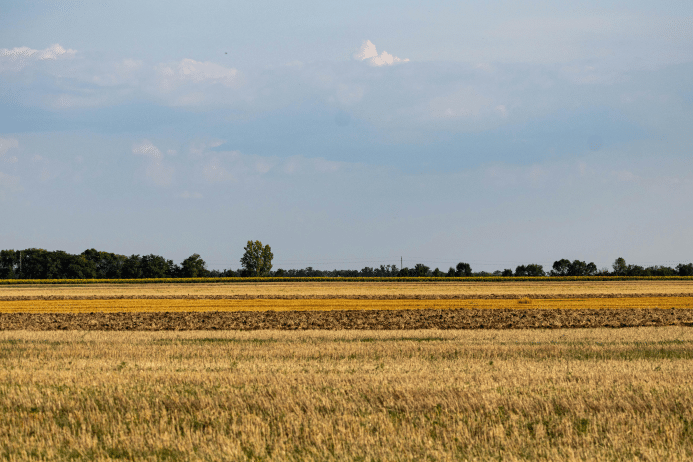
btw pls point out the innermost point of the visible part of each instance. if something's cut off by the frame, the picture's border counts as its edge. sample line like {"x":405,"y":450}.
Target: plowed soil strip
{"x":359,"y":320}
{"x":206,"y":304}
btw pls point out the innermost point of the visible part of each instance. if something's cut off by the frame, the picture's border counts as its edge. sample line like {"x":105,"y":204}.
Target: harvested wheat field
{"x":513,"y":289}
{"x":111,"y":305}
{"x":590,"y":394}
{"x":347,"y":305}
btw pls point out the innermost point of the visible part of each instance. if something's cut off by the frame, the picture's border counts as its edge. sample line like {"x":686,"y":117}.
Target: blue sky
{"x":348,"y":135}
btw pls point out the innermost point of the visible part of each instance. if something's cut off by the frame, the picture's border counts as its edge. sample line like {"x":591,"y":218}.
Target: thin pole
{"x":400,"y":263}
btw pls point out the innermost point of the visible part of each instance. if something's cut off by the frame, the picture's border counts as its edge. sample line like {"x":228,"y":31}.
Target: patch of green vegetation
{"x":205,"y":340}
{"x":629,"y":354}
{"x":587,"y":353}
{"x":397,"y":339}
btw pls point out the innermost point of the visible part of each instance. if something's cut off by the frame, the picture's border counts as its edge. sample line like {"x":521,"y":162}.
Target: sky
{"x":350,"y":134}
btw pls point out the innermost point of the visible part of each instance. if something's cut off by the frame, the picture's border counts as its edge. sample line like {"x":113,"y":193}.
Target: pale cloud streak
{"x":369,"y":53}
{"x":156,"y":171}
{"x":6,"y":144}
{"x":15,"y":59}
{"x":191,"y":71}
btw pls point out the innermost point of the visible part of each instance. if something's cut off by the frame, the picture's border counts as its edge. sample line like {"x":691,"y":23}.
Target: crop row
{"x":343,"y":279}
{"x":192,"y":305}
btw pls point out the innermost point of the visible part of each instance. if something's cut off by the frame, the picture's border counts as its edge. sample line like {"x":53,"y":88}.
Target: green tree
{"x":564,"y":267}
{"x":257,"y":260}
{"x":620,"y":267}
{"x":421,"y":270}
{"x":532,"y":270}
{"x":155,"y":266}
{"x":132,"y":267}
{"x":194,"y":267}
{"x":463,"y":270}
{"x":9,"y":264}
{"x":38,"y":264}
{"x":108,"y":265}
{"x":561,"y":267}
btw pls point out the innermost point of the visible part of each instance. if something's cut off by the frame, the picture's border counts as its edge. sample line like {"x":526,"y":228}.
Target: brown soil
{"x":359,"y":320}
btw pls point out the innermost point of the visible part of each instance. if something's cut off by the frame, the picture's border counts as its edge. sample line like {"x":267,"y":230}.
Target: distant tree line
{"x":257,"y":261}
{"x":93,"y":264}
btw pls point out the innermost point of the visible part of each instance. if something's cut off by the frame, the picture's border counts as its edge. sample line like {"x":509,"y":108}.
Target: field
{"x":370,"y":289}
{"x":595,"y":394}
{"x":347,"y":305}
{"x":347,"y":371}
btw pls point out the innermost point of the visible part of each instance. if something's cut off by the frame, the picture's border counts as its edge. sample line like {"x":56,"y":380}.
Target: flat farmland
{"x":114,"y":305}
{"x":347,"y":305}
{"x":367,"y":289}
{"x":347,"y":371}
{"x":588,"y":394}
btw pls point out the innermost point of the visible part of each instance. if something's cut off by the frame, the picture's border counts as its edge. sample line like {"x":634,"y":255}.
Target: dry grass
{"x":192,"y":305}
{"x":423,"y":395}
{"x":360,"y":288}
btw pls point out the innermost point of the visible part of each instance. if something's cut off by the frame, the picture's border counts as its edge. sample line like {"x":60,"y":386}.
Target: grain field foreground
{"x":590,"y":394}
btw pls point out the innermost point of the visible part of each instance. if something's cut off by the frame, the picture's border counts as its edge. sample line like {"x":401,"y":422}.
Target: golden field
{"x":330,"y":304}
{"x":331,"y":288}
{"x":590,"y":394}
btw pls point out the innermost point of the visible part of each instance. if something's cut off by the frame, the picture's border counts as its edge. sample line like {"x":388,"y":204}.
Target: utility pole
{"x":400,"y":263}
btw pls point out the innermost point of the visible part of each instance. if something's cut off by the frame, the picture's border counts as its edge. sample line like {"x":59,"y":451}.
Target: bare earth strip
{"x":350,"y":320}
{"x":341,"y":289}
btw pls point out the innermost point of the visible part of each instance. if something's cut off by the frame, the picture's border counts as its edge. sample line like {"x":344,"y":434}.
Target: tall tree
{"x":257,"y":260}
{"x":532,"y":269}
{"x":9,"y":264}
{"x":132,"y":267}
{"x":194,"y":267}
{"x":561,"y":267}
{"x":155,"y":266}
{"x":463,"y":270}
{"x":685,"y":270}
{"x":421,"y":270}
{"x":620,"y":267}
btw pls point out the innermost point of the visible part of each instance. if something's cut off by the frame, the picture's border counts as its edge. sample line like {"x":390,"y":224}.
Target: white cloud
{"x":189,"y":195}
{"x":369,"y":53}
{"x":6,"y":144}
{"x":123,"y":72}
{"x":17,"y":58}
{"x":191,"y":71}
{"x":146,"y":148}
{"x":464,"y":102}
{"x":66,"y":100}
{"x":156,"y":171}
{"x":8,"y":184}
{"x":626,"y":176}
{"x":313,"y":165}
{"x":214,"y":170}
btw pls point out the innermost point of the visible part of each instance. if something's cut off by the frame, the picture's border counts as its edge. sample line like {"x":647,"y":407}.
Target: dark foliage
{"x":93,"y":264}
